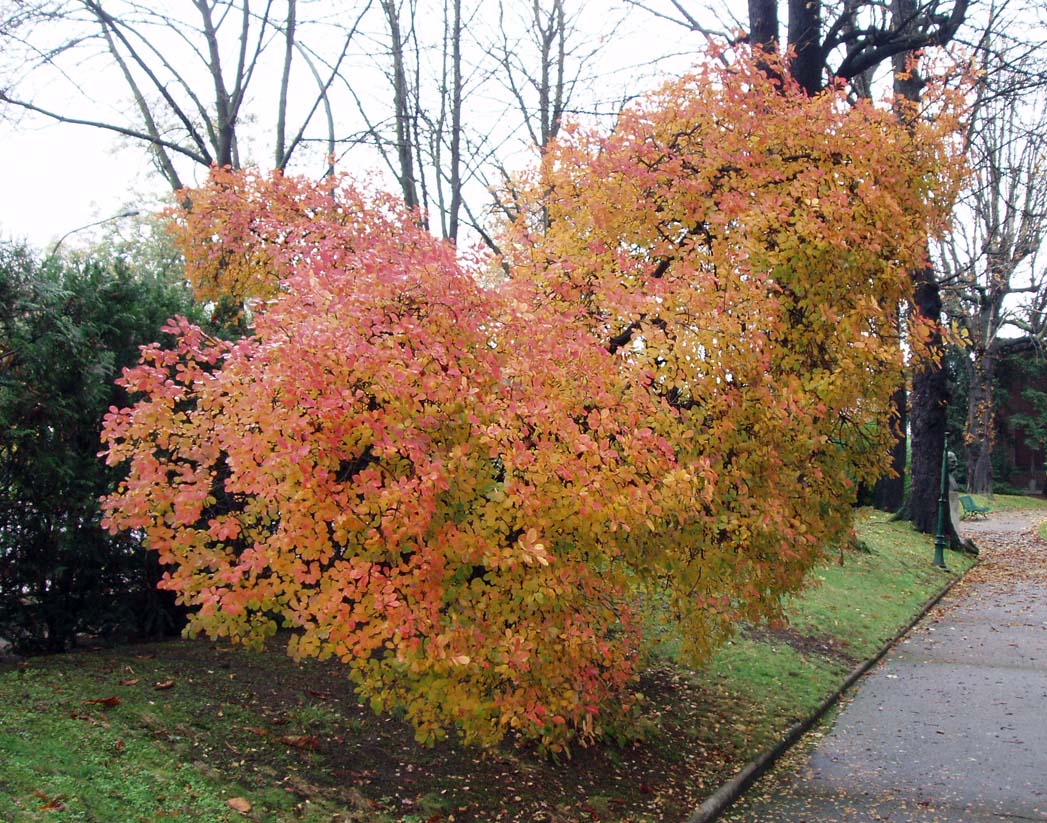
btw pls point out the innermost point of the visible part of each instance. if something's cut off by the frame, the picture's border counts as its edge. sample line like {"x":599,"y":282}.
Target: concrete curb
{"x":729,"y":792}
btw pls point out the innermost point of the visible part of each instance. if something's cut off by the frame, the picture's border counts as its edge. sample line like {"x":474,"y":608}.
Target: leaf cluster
{"x":471,"y":497}
{"x":744,"y":248}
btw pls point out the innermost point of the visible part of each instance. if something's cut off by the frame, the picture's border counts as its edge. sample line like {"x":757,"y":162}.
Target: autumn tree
{"x":730,"y":241}
{"x":849,"y":41}
{"x":466,"y":494}
{"x":419,"y":478}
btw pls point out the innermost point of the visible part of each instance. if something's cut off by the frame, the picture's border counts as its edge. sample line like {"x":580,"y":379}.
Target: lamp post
{"x":940,"y":538}
{"x":120,"y":216}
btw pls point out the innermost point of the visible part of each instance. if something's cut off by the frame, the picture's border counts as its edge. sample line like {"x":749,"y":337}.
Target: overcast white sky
{"x":57,"y":178}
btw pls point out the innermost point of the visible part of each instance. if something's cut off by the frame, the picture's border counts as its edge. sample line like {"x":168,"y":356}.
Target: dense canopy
{"x":478,"y":498}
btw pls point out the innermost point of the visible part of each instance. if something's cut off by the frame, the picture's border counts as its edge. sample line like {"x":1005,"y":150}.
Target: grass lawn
{"x":199,"y":731}
{"x":1011,"y":502}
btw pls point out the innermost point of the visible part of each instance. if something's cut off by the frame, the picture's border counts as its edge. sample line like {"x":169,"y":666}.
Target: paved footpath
{"x":952,"y":725}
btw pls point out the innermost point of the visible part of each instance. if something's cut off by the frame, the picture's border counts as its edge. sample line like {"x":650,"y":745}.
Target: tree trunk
{"x":402,"y":108}
{"x":805,"y":40}
{"x":928,"y":403}
{"x":763,"y":24}
{"x":889,"y":492}
{"x":981,"y":410}
{"x":456,"y":121}
{"x":928,"y":407}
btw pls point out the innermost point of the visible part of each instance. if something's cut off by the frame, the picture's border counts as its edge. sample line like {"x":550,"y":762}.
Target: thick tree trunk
{"x":763,"y":24}
{"x":805,"y":39}
{"x":927,"y":413}
{"x":978,"y":437}
{"x":928,"y":403}
{"x":889,"y":492}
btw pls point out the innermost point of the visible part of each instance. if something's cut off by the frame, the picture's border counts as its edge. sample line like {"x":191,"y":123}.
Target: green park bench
{"x":972,"y":509}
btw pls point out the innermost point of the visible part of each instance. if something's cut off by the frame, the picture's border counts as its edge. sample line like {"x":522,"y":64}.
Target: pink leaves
{"x":461,"y":492}
{"x":394,"y":460}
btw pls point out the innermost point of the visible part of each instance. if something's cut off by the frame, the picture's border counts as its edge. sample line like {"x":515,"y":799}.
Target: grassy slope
{"x":183,"y":753}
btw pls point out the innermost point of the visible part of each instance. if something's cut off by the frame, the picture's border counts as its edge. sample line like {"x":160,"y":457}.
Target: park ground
{"x":191,"y":730}
{"x":948,"y":727}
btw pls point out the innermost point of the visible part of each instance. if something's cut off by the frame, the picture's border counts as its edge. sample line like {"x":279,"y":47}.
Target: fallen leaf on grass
{"x":300,"y":741}
{"x":132,"y":682}
{"x":108,"y":702}
{"x":239,"y":804}
{"x":52,"y":804}
{"x":164,"y":685}
{"x":258,"y":731}
{"x":92,"y":720}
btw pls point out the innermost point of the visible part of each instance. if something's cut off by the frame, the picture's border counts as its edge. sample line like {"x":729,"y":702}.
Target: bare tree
{"x":188,"y":69}
{"x":474,"y":88}
{"x":534,"y":67}
{"x":993,"y":287}
{"x":404,"y":107}
{"x":844,"y":40}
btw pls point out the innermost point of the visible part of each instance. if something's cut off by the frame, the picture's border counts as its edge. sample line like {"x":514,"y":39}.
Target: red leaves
{"x":51,"y":804}
{"x":460,"y":493}
{"x":104,"y":702}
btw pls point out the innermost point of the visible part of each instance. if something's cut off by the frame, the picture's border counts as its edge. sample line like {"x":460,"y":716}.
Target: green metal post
{"x":940,"y":539}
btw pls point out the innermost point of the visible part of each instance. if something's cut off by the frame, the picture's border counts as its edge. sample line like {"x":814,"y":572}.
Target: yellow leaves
{"x":462,"y":494}
{"x":533,"y":550}
{"x":743,"y":255}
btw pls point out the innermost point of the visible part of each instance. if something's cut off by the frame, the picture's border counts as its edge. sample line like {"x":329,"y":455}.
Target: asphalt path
{"x":951,"y":726}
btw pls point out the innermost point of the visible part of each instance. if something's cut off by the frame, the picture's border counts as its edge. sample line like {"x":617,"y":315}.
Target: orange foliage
{"x":743,"y":249}
{"x":463,"y":494}
{"x":414,"y":475}
{"x":227,"y":229}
